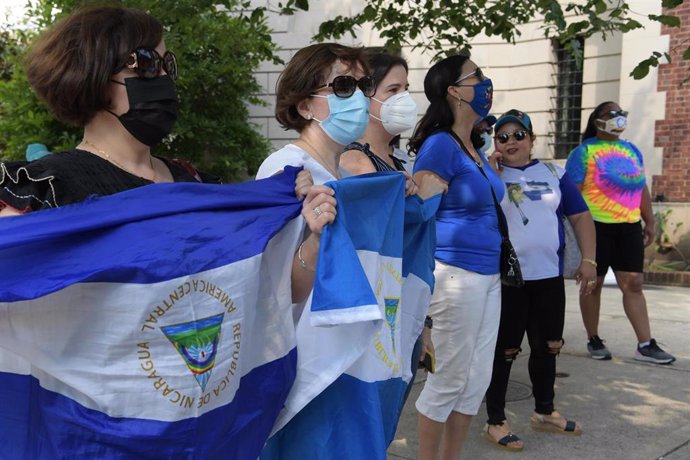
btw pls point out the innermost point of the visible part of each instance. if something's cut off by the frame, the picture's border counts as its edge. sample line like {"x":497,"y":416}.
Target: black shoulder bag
{"x":511,"y":274}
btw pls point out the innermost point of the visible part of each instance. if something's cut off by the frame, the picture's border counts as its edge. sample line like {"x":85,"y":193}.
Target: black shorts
{"x":619,"y":246}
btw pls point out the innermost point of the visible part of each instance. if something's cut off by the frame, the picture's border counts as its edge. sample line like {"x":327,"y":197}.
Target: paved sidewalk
{"x":629,"y":410}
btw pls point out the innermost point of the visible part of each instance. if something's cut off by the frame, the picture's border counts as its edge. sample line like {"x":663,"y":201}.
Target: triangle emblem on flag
{"x":197,"y":343}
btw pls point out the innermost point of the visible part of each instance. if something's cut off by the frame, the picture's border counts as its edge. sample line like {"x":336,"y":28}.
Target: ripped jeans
{"x":537,"y":308}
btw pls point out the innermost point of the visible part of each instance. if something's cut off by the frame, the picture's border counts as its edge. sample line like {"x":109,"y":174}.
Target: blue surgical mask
{"x":487,"y":141}
{"x":483,"y":97}
{"x":348,"y":117}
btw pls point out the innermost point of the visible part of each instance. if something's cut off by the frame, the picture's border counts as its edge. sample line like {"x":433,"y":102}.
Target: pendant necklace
{"x":107,"y":157}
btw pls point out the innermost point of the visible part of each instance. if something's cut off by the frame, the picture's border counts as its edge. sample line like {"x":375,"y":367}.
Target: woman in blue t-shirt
{"x":466,"y":305}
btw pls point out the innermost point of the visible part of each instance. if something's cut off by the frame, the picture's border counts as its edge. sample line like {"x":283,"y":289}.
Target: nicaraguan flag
{"x":154,"y":323}
{"x":352,"y":377}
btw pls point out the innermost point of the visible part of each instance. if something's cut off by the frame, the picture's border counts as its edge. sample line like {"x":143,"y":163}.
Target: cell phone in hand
{"x":428,"y":362}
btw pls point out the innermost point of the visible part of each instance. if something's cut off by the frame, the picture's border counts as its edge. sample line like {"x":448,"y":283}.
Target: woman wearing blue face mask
{"x":465,"y":306}
{"x":105,"y":69}
{"x":323,"y":94}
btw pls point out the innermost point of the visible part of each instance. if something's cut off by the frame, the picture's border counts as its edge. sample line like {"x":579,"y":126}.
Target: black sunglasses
{"x":147,"y":63}
{"x":345,"y":86}
{"x":475,"y":73}
{"x":519,"y":135}
{"x":616,"y":113}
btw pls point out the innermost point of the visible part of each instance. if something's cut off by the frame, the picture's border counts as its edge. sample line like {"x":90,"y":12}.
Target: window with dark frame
{"x":567,"y":102}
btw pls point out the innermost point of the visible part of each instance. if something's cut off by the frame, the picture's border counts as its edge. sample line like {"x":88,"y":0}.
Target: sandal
{"x":505,"y":442}
{"x":539,"y":423}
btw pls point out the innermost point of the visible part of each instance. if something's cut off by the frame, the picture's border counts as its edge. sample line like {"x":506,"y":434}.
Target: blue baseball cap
{"x":514,"y":116}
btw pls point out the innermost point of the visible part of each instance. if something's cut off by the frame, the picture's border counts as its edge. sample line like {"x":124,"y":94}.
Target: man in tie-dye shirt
{"x":610,"y":173}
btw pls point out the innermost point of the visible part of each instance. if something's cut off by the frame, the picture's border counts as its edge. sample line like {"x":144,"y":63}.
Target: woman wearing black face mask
{"x":105,"y":69}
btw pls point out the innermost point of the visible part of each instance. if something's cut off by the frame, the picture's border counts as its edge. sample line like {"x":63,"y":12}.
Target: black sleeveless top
{"x":73,"y":176}
{"x":378,"y":162}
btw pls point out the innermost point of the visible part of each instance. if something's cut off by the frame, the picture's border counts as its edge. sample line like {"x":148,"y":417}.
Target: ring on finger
{"x":317,"y":211}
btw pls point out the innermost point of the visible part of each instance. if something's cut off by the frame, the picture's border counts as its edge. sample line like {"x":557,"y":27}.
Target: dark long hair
{"x":381,"y":62}
{"x":591,"y":130}
{"x":438,"y":115}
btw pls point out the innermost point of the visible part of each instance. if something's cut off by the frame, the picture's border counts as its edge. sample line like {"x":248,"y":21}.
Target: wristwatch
{"x":428,"y":322}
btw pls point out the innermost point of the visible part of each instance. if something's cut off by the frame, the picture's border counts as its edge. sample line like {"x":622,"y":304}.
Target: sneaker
{"x":597,"y":349}
{"x":653,"y":353}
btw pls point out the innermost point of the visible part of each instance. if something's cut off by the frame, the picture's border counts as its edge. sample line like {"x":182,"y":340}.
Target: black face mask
{"x":152,"y":108}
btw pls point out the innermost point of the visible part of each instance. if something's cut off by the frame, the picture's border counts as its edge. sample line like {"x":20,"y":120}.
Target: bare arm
{"x":9,"y":211}
{"x":583,"y":225}
{"x":430,"y":184}
{"x":647,"y":215}
{"x":304,"y":261}
{"x":356,"y":163}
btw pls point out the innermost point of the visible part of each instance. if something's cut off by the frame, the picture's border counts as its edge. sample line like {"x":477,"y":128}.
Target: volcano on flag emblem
{"x":197,"y":343}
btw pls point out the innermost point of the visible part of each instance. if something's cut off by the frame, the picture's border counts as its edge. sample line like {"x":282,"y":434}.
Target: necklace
{"x":106,"y":156}
{"x":319,"y":159}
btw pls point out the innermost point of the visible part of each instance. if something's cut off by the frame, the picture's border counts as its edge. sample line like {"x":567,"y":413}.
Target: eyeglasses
{"x":519,"y":135}
{"x":147,"y":63}
{"x":616,"y":113}
{"x":345,"y":86}
{"x":476,"y":73}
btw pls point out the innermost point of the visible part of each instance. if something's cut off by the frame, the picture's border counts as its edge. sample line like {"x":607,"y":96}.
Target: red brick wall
{"x":673,"y":133}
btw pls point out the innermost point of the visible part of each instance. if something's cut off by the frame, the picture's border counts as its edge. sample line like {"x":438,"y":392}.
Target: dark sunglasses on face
{"x":475,"y":73}
{"x":505,"y":137}
{"x":345,"y":86}
{"x":616,"y":113}
{"x":147,"y":63}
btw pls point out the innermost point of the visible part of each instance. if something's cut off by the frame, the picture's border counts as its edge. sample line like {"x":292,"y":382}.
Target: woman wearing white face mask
{"x":610,"y":174}
{"x":392,"y":112}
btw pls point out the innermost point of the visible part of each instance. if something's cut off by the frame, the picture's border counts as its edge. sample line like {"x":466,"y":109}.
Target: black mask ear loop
{"x":110,"y":111}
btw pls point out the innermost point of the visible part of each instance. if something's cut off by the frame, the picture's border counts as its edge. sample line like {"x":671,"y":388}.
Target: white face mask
{"x":615,"y":125}
{"x":398,"y":113}
{"x":488,"y":140}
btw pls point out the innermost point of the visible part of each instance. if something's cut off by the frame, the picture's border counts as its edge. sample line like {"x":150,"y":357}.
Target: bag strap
{"x":502,"y":222}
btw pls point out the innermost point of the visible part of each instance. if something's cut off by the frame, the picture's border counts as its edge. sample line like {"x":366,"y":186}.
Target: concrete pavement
{"x":629,"y":410}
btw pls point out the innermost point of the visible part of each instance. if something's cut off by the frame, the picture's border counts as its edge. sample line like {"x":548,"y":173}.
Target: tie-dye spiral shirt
{"x":612,"y":177}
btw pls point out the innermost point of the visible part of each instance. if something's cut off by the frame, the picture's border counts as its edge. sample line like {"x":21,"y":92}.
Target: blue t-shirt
{"x":467,"y":234}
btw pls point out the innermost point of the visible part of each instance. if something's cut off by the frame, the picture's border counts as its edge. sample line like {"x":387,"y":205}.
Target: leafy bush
{"x":219,"y":44}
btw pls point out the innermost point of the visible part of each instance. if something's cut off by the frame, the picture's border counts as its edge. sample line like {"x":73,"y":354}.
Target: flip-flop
{"x":504,"y":442}
{"x":540,"y":424}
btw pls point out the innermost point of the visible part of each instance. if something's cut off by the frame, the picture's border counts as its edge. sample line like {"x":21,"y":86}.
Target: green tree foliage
{"x":219,"y":44}
{"x":447,"y":26}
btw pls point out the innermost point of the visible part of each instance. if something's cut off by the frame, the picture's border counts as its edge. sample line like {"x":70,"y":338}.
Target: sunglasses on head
{"x":147,"y":63}
{"x":345,"y":86}
{"x":616,"y":113}
{"x":519,"y":135}
{"x":475,"y":73}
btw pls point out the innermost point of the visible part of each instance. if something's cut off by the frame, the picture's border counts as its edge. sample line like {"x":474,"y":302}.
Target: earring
{"x":309,"y":116}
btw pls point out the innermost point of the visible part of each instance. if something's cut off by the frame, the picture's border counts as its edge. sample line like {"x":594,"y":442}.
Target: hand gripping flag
{"x":154,"y":323}
{"x":352,"y":377}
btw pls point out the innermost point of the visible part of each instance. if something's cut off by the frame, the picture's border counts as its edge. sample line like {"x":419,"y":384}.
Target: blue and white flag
{"x":352,"y":378}
{"x":155,"y":323}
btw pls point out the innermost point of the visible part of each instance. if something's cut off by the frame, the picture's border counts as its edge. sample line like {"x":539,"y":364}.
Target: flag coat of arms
{"x":352,"y":376}
{"x":155,"y":323}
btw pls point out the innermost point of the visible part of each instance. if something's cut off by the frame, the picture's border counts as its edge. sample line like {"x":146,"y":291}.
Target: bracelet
{"x":428,"y":322}
{"x":302,"y":263}
{"x":590,"y":261}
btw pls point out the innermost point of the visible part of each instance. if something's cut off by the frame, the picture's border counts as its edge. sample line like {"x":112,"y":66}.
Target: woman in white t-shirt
{"x":323,"y":94}
{"x":538,"y":197}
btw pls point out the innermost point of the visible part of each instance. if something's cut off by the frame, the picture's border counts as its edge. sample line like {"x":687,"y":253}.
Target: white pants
{"x":466,"y":309}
